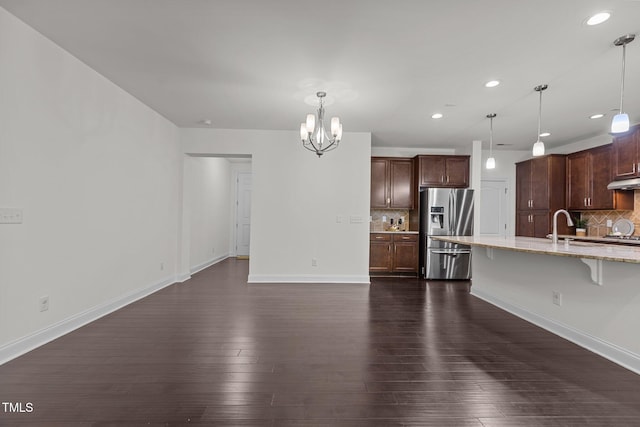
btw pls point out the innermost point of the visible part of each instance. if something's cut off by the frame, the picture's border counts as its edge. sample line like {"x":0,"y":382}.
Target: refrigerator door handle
{"x":451,"y":252}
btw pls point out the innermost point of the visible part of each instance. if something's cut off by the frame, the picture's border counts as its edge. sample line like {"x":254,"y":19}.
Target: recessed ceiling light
{"x":492,"y":83}
{"x":436,"y":116}
{"x":598,"y":18}
{"x":597,"y":116}
{"x":543,"y":134}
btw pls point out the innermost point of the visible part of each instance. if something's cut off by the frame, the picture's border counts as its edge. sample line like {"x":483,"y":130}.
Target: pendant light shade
{"x":620,"y":122}
{"x":491,"y":161}
{"x":538,"y":147}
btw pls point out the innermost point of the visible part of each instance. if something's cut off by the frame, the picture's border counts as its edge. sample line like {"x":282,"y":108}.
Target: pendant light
{"x":620,"y":122}
{"x":491,"y":161}
{"x":538,"y":147}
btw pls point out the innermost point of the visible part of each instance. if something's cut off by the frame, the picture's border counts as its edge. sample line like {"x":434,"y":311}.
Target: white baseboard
{"x":614,"y":353}
{"x":32,"y":341}
{"x":208,"y":263}
{"x":267,"y":278}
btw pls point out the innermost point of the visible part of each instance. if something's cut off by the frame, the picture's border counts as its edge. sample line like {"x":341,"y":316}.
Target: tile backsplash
{"x":377,"y":214}
{"x":597,"y":220}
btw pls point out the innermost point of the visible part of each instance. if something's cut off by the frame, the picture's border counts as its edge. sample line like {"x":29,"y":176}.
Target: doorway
{"x":493,"y":210}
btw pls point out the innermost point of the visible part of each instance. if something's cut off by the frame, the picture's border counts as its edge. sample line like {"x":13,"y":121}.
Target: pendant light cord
{"x":491,"y":137}
{"x":624,"y":51}
{"x":539,"y":115}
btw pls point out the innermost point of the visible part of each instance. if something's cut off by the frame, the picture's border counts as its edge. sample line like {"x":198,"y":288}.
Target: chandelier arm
{"x":332,"y":145}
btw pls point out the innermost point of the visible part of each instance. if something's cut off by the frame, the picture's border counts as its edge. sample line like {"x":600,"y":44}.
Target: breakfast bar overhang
{"x":586,"y":292}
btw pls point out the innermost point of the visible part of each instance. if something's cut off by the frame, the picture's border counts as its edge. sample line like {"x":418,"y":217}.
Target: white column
{"x":476,"y":183}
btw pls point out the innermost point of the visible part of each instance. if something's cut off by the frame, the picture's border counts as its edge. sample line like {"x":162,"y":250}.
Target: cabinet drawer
{"x":405,"y":237}
{"x":379,"y":237}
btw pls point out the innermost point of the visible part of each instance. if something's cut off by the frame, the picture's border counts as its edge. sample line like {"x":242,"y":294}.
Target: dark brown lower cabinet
{"x":393,"y":253}
{"x":536,"y":224}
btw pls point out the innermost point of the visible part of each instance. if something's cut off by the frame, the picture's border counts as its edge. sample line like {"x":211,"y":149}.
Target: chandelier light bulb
{"x":303,"y":131}
{"x":311,"y":123}
{"x":335,"y":124}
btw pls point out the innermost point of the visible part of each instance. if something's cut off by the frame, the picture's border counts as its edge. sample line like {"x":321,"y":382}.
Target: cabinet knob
{"x":585,"y":202}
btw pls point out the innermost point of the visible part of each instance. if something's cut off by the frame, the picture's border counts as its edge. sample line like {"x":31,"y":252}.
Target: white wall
{"x":97,"y":175}
{"x":296,"y":199}
{"x":585,"y":144}
{"x":208,"y":180}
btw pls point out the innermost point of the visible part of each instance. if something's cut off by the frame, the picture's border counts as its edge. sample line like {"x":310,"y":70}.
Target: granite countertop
{"x":614,"y":241}
{"x":576,"y":249}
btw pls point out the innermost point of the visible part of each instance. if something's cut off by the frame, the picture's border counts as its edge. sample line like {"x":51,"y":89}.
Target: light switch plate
{"x":355,"y":219}
{"x":10,"y":216}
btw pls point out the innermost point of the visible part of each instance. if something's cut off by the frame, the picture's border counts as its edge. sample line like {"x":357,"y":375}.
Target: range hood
{"x":625,"y":184}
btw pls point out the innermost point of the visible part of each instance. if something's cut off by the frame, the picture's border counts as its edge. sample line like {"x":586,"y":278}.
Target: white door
{"x":493,"y":208}
{"x":243,"y":213}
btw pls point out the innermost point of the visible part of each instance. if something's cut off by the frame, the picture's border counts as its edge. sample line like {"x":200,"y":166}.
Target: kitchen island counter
{"x":578,"y":249}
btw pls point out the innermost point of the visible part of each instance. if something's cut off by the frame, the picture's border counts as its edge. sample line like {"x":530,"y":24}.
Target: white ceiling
{"x":388,"y":65}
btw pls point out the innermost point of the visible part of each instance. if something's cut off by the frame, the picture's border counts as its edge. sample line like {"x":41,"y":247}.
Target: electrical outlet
{"x":44,"y":303}
{"x":314,"y":262}
{"x":557,"y":298}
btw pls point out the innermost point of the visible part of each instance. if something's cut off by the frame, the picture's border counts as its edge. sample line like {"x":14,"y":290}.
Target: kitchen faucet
{"x":554,"y":236}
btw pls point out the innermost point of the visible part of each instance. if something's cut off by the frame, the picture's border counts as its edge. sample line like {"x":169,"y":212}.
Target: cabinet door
{"x":625,"y":156}
{"x":401,"y":184}
{"x":542,"y":224}
{"x":524,"y":225}
{"x":405,"y":256}
{"x":600,"y":174}
{"x":379,"y":183}
{"x":457,"y":171}
{"x":380,"y":256}
{"x":432,"y":171}
{"x":540,"y":183}
{"x":523,"y":186}
{"x":577,"y":180}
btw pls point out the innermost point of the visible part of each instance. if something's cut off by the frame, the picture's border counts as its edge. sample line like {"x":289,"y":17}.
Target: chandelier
{"x":314,"y":137}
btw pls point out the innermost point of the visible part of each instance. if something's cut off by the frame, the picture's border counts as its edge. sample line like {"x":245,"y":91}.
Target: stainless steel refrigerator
{"x":445,"y":212}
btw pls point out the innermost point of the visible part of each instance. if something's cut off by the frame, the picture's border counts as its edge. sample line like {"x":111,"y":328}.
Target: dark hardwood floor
{"x":216,"y":351}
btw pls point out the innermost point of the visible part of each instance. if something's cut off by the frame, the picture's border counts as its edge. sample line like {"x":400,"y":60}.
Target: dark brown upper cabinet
{"x":588,"y":173}
{"x":392,"y":184}
{"x":443,"y":171}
